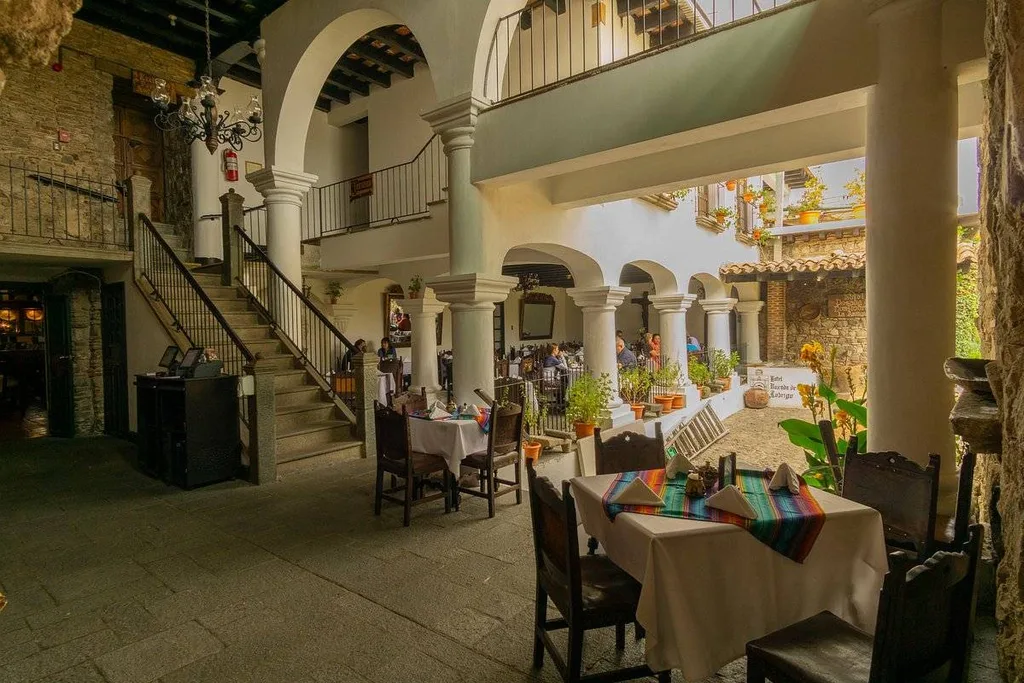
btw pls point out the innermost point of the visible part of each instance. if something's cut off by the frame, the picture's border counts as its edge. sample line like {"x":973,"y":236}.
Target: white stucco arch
{"x":665,"y":281}
{"x":714,"y":288}
{"x":586,"y":272}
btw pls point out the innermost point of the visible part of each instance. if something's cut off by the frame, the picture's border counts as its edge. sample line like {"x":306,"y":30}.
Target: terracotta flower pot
{"x":678,"y":401}
{"x":809,"y":217}
{"x":665,"y":402}
{"x":416,"y":294}
{"x":860,"y":211}
{"x":638,"y":410}
{"x":720,"y":219}
{"x":730,"y":185}
{"x":584,"y":429}
{"x":726,"y":383}
{"x":748,"y":197}
{"x":532,"y":449}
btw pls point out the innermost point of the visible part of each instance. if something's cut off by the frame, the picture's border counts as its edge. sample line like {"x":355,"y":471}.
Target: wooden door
{"x":140,"y":150}
{"x":60,"y":385}
{"x":115,"y":361}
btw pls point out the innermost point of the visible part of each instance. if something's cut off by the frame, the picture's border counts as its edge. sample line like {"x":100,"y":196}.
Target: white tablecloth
{"x":385,"y":383}
{"x":406,"y":366}
{"x":451,"y":439}
{"x":709,"y":588}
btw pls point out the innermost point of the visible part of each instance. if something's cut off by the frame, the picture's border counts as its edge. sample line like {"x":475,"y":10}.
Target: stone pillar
{"x":206,"y":234}
{"x":231,"y":214}
{"x":262,"y":425}
{"x":718,"y":333}
{"x":598,"y":305}
{"x":472,"y":298}
{"x":672,"y":308}
{"x":750,"y":331}
{"x":423,"y":314}
{"x":283,"y":192}
{"x":911,"y":237}
{"x":364,"y":367}
{"x":139,"y":201}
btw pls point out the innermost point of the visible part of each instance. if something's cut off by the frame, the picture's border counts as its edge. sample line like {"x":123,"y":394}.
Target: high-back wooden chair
{"x":504,"y":448}
{"x":409,"y":400}
{"x":589,"y":592}
{"x":904,"y":493}
{"x":396,"y":457}
{"x":393,"y":367}
{"x":955,"y":534}
{"x":629,"y":452}
{"x":923,"y":629}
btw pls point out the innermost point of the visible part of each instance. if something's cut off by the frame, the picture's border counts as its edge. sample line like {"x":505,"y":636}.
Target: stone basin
{"x":969,"y":373}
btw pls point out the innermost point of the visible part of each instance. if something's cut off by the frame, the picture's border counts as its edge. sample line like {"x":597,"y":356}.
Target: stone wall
{"x":823,"y":244}
{"x":84,"y":301}
{"x":1002,"y":305}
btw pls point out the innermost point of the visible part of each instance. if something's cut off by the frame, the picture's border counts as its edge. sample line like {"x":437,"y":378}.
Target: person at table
{"x":346,"y":360}
{"x":623,"y":356}
{"x":646,"y":342}
{"x":656,"y":350}
{"x":553,"y":358}
{"x":692,"y":344}
{"x":386,"y":350}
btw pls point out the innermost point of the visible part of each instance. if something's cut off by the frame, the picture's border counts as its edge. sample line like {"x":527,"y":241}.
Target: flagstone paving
{"x":113,"y":577}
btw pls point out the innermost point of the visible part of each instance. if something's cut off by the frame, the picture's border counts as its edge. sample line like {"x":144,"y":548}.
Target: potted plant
{"x":334,"y":291}
{"x":585,"y":400}
{"x":721,"y":368}
{"x":730,"y":185}
{"x":667,"y":377}
{"x":723,"y":215}
{"x":700,"y":375}
{"x":634,"y":387}
{"x":749,"y":194}
{"x":533,"y":419}
{"x":766,"y":206}
{"x":415,"y":287}
{"x":809,"y":206}
{"x":856,"y":191}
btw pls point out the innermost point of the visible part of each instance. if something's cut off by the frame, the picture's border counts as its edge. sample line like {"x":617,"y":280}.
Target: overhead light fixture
{"x":34,"y":314}
{"x":201,"y":118}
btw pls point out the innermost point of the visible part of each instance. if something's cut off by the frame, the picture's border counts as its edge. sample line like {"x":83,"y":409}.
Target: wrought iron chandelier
{"x":201,"y":118}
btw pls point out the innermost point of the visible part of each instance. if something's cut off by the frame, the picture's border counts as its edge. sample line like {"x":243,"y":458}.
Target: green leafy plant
{"x":699,"y":373}
{"x":680,"y":194}
{"x":634,"y":384}
{"x":814,"y":195}
{"x":415,"y":284}
{"x":668,"y":374}
{"x":720,"y":364}
{"x":723,"y":215}
{"x":334,"y":290}
{"x":587,"y":397}
{"x":968,"y":338}
{"x":766,"y":205}
{"x":856,"y":189}
{"x":848,"y":416}
{"x":734,"y":360}
{"x":533,"y":418}
{"x":762,"y":236}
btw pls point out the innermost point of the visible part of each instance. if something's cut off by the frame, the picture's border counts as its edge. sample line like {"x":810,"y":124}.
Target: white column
{"x":911,"y":237}
{"x":598,"y":305}
{"x":207,"y":236}
{"x":718,"y":333}
{"x":471,"y":299}
{"x":750,"y":331}
{"x":672,"y":308}
{"x":423,"y":316}
{"x":283,"y":192}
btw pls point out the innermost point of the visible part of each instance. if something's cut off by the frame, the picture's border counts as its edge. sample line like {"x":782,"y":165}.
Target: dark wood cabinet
{"x":188,"y":429}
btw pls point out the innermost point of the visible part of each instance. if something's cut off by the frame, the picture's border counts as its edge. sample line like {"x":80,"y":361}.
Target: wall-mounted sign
{"x":847,"y":306}
{"x":781,"y":384}
{"x":362,"y":186}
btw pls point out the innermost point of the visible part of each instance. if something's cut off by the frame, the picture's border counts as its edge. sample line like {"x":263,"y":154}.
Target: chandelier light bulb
{"x":255,"y":112}
{"x":161,"y":96}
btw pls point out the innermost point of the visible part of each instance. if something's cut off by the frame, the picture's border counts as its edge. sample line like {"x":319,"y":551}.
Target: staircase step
{"x":279,"y":361}
{"x":304,"y":394}
{"x":248,"y":333}
{"x":207,"y":279}
{"x":219,"y":291}
{"x":267,"y":346}
{"x":347,"y":449}
{"x":294,"y":417}
{"x":236,"y":305}
{"x":310,"y":436}
{"x":241,"y":318}
{"x":292,"y":379}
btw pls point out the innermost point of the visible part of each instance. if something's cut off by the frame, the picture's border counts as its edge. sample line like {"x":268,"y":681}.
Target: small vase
{"x":678,"y":401}
{"x":638,"y":410}
{"x":532,"y":449}
{"x":583,"y":429}
{"x":695,"y":485}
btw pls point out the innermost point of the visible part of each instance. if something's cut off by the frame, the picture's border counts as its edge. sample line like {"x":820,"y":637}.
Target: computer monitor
{"x":190,"y":361}
{"x":170,"y":355}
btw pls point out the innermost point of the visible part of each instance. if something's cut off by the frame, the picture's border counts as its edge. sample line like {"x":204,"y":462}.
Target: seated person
{"x":386,"y":350}
{"x":692,"y":345}
{"x":346,"y":360}
{"x":553,"y":358}
{"x":623,"y":356}
{"x":656,"y":350}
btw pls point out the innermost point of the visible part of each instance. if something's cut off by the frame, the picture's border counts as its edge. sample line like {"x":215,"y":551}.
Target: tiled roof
{"x":836,"y":262}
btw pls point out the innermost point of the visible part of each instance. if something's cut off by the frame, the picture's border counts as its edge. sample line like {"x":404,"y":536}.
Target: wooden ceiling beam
{"x":339,"y":78}
{"x":399,"y":43}
{"x":244,"y":75}
{"x":223,"y":16}
{"x":336,"y":93}
{"x":150,"y":8}
{"x":392,"y":64}
{"x":356,"y":69}
{"x":121,"y":22}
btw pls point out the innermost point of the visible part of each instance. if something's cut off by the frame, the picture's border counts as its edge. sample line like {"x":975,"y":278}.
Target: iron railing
{"x":54,"y":206}
{"x":320,"y":345}
{"x":254,"y":222}
{"x":550,"y":41}
{"x":191,"y":309}
{"x":546,"y":391}
{"x":379,"y":198}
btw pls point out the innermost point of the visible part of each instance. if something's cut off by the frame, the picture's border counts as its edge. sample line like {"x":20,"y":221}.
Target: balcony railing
{"x":550,"y":41}
{"x":51,"y":206}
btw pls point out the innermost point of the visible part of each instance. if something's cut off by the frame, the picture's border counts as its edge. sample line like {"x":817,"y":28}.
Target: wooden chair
{"x":629,"y":452}
{"x":393,"y":367}
{"x":504,"y":448}
{"x":924,"y":624}
{"x":905,"y":494}
{"x":589,"y":592}
{"x":955,"y":534}
{"x":726,"y":470}
{"x":396,"y":457}
{"x":409,"y":400}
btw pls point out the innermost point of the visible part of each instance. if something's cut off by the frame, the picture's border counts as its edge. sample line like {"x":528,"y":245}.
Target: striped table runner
{"x":787,"y":523}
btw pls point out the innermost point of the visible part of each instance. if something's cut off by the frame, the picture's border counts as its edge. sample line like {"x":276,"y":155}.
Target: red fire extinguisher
{"x":230,"y":165}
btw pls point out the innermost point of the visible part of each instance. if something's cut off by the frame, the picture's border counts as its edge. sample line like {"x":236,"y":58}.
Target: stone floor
{"x":114,"y":577}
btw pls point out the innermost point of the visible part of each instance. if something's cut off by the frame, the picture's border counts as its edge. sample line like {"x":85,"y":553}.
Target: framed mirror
{"x":536,"y":316}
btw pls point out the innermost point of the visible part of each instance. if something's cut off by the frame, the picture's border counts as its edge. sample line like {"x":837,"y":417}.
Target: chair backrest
{"x":555,"y":537}
{"x":629,"y":452}
{"x":392,"y":431}
{"x":905,"y":494}
{"x":726,"y":470}
{"x":506,"y":434}
{"x":965,"y":487}
{"x":926,"y":615}
{"x":409,"y":400}
{"x":828,"y":438}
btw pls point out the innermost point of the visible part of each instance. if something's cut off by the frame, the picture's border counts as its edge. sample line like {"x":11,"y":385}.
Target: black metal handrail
{"x":190,"y":307}
{"x":380,"y":197}
{"x":319,"y":343}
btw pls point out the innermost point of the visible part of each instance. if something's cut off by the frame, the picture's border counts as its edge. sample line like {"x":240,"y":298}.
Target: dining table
{"x":708,"y":588}
{"x":452,"y":439}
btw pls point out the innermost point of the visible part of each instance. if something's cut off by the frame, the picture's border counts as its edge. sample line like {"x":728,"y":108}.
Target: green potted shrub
{"x":700,"y":375}
{"x":809,"y":206}
{"x":415,"y":287}
{"x":334,"y":291}
{"x":667,"y":377}
{"x":533,"y":419}
{"x":856,"y":191}
{"x":634,"y":387}
{"x":723,"y":215}
{"x":721,"y":368}
{"x":585,"y":400}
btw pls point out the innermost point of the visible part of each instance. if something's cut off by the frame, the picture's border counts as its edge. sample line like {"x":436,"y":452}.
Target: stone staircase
{"x":308,"y":422}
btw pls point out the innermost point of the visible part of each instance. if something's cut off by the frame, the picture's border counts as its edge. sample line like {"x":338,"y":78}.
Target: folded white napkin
{"x":679,"y":466}
{"x":638,"y":493}
{"x":473,"y":410}
{"x":730,"y":499}
{"x":785,"y":478}
{"x":437,"y":405}
{"x":437,"y":413}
